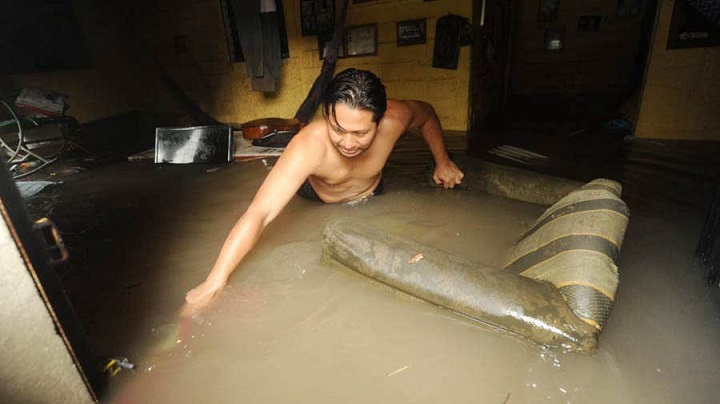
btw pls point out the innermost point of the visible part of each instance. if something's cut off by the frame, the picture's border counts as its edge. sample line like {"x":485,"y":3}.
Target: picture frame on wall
{"x":411,"y":32}
{"x":589,"y":22}
{"x":689,"y":28}
{"x":316,"y":16}
{"x":548,"y":10}
{"x":361,"y":40}
{"x":554,"y":38}
{"x":628,"y":8}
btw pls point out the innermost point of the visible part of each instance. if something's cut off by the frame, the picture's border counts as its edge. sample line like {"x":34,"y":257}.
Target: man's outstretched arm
{"x":240,"y":241}
{"x":294,"y":166}
{"x":424,"y":118}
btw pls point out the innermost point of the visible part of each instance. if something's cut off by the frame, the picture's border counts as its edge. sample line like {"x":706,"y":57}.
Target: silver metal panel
{"x":198,"y":144}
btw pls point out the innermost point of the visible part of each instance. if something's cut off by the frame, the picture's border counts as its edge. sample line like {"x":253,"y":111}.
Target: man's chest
{"x":339,"y":170}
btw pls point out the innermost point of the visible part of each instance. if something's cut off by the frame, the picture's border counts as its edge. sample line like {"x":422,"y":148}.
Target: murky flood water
{"x":290,"y":328}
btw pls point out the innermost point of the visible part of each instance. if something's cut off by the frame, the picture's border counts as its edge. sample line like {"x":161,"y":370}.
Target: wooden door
{"x":490,"y":66}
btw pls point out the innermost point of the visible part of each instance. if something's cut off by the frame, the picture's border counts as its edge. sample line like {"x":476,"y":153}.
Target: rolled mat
{"x":517,"y":304}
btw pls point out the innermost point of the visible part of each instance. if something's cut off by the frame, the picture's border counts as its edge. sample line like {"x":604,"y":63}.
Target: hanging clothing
{"x":451,"y":32}
{"x":258,"y":30}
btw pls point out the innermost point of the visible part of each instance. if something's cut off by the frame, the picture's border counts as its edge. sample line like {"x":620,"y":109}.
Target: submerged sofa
{"x":559,"y":281}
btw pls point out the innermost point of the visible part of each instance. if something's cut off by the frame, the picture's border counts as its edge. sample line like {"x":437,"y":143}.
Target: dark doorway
{"x":558,"y":84}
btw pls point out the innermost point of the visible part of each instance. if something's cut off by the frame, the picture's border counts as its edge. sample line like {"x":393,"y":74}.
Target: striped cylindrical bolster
{"x":574,"y":245}
{"x":587,"y":280}
{"x":605,"y":184}
{"x":561,"y":245}
{"x":600,"y":189}
{"x":601,"y":204}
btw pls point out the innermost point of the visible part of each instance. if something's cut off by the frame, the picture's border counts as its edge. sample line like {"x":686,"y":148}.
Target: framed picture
{"x":548,"y":10}
{"x":589,"y":22}
{"x":361,"y":40}
{"x":554,"y":38}
{"x":316,"y":16}
{"x":628,"y":8}
{"x":411,"y":32}
{"x":689,"y":28}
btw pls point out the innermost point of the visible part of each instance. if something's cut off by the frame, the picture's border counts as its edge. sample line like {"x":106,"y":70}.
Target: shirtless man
{"x":336,"y":159}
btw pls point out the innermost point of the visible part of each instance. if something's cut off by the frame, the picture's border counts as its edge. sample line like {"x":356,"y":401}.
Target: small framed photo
{"x":411,"y":32}
{"x":554,"y":38}
{"x":361,"y":40}
{"x":628,"y":8}
{"x":316,"y":16}
{"x":689,"y":28}
{"x":589,"y":22}
{"x":548,"y":10}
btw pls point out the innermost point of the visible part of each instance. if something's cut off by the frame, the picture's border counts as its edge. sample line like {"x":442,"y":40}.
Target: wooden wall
{"x":589,"y":62}
{"x":121,"y":79}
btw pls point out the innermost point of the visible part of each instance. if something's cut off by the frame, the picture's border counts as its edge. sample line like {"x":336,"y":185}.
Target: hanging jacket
{"x":451,"y":32}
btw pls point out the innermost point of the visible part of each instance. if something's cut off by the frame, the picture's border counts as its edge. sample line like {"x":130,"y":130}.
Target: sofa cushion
{"x":574,"y":245}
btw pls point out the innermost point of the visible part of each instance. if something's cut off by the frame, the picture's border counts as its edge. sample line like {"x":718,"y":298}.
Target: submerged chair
{"x":559,"y":282}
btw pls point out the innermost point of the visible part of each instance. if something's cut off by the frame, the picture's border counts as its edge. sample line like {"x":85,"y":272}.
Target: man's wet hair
{"x":356,"y":89}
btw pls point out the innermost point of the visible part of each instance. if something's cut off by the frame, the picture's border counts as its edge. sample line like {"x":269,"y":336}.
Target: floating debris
{"x":520,"y":155}
{"x":416,"y":258}
{"x":393,"y":373}
{"x":116,"y":364}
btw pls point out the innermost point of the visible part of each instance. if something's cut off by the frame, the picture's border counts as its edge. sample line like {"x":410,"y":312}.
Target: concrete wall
{"x":122,"y":74}
{"x":681,"y":98}
{"x":223,"y":89}
{"x":36,"y":366}
{"x":589,"y":61}
{"x":124,"y":77}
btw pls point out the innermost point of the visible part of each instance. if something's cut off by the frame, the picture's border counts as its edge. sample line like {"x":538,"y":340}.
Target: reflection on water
{"x":290,"y":328}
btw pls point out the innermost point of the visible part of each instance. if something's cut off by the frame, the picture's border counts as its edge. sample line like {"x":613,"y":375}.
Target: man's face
{"x":352,"y":131}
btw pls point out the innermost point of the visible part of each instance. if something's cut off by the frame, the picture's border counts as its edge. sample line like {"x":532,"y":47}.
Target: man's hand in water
{"x":202,"y":295}
{"x":448,"y":175}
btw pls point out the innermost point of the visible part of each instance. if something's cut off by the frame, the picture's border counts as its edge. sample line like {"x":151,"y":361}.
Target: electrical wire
{"x":14,"y":153}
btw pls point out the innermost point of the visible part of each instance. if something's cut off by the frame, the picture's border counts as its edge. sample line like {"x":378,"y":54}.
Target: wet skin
{"x":342,"y":157}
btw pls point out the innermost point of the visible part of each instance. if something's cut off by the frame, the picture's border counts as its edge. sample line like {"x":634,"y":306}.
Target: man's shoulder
{"x":311,"y":138}
{"x":397,"y":106}
{"x":314,"y":131}
{"x":398,"y":116}
{"x":400,"y":110}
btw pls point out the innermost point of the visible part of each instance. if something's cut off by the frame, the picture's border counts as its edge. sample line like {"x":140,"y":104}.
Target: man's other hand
{"x":448,"y":175}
